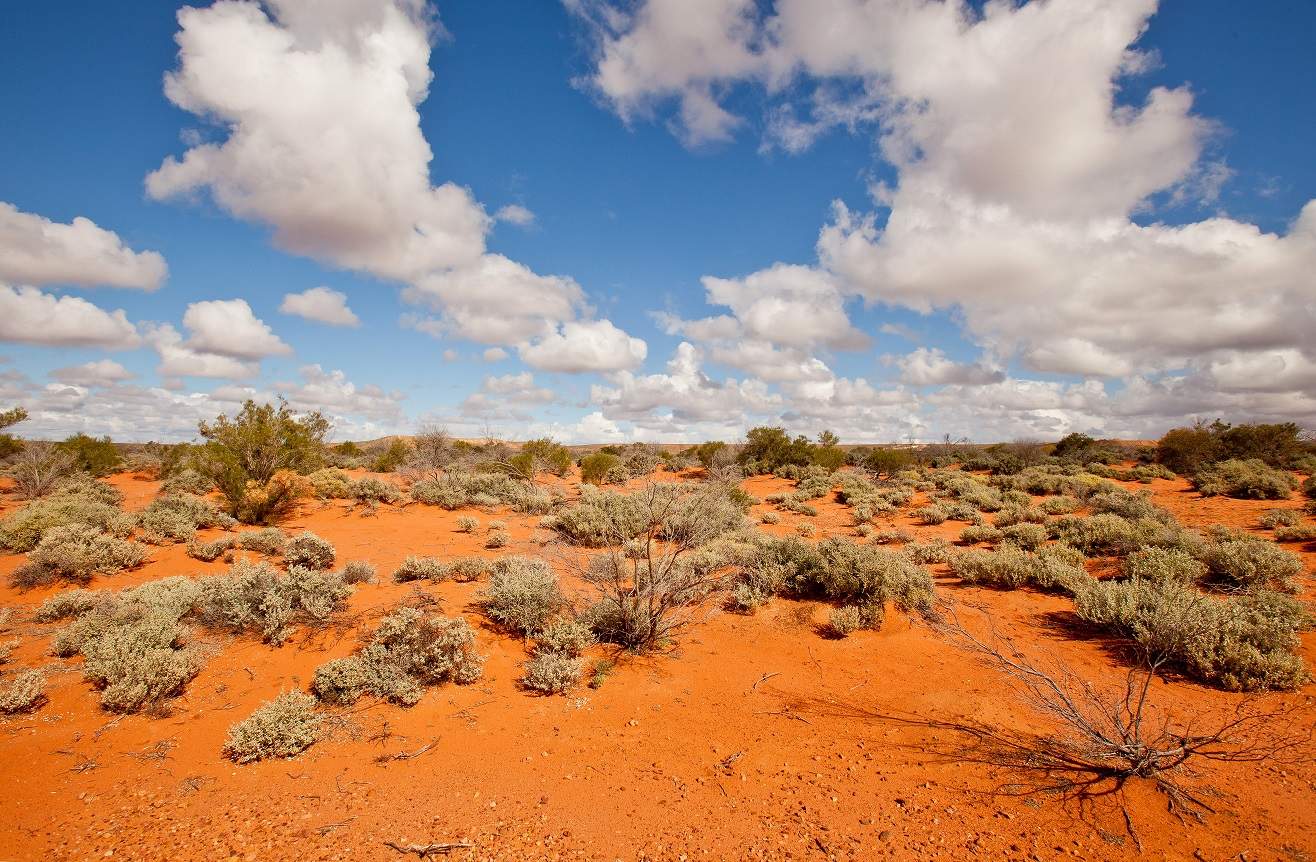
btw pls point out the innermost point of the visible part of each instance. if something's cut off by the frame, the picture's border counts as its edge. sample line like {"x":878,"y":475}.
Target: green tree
{"x":771,"y":447}
{"x":253,"y":457}
{"x":95,"y":455}
{"x":9,"y":444}
{"x":828,"y":454}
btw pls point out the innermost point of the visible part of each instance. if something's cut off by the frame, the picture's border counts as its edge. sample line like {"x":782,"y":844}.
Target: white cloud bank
{"x":322,"y":305}
{"x":35,"y":250}
{"x":1019,"y":177}
{"x":321,"y":141}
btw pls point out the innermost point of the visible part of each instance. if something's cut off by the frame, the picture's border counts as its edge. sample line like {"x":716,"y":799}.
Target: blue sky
{"x":945,"y":225}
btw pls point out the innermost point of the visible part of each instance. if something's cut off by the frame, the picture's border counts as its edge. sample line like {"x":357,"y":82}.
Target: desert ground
{"x":746,"y":736}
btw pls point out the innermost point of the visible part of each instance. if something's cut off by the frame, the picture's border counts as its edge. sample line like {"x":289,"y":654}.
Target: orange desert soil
{"x":752,"y":738}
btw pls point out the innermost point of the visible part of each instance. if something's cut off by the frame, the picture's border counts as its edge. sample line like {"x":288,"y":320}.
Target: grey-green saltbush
{"x":76,"y":552}
{"x":1241,"y":643}
{"x":309,"y":551}
{"x":522,"y":594}
{"x":283,"y":727}
{"x":552,"y":672}
{"x":408,"y":651}
{"x":1010,"y":567}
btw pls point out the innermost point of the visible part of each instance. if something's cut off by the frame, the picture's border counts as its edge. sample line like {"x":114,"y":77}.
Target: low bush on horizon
{"x":1251,"y":479}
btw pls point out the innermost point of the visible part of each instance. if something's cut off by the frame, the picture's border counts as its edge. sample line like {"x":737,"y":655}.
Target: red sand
{"x":754,"y":738}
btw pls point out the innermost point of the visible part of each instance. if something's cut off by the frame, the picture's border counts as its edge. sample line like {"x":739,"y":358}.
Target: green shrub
{"x":75,"y":553}
{"x":309,"y":551}
{"x":22,"y":531}
{"x":283,"y":727}
{"x":522,"y":594}
{"x":552,"y":672}
{"x":1250,"y":479}
{"x":407,"y":652}
{"x":600,"y":468}
{"x":1239,"y":561}
{"x":96,"y":456}
{"x":1243,"y":643}
{"x":25,"y":692}
{"x":254,"y":458}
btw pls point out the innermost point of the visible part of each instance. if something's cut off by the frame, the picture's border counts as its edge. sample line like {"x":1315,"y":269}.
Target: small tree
{"x":97,"y":456}
{"x":255,"y":458}
{"x":771,"y":448}
{"x":9,"y":444}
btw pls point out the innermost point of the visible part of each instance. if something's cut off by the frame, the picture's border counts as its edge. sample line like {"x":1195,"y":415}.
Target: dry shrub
{"x":24,"y":693}
{"x":208,"y":552}
{"x":1027,"y":536}
{"x":980,"y":533}
{"x":1296,"y":533}
{"x":283,"y":727}
{"x":552,"y":672}
{"x":258,"y":597}
{"x":1164,"y":564}
{"x":1238,"y":561}
{"x":421,"y":568}
{"x":522,"y":594}
{"x":844,"y":621}
{"x":931,"y":515}
{"x":309,"y":551}
{"x":407,"y":652}
{"x":1010,"y":567}
{"x":468,"y":524}
{"x":175,"y":518}
{"x":1272,"y":518}
{"x":373,"y":490}
{"x":358,"y":572}
{"x":269,"y":541}
{"x":135,"y":648}
{"x":39,"y":468}
{"x":75,"y":553}
{"x":330,"y":484}
{"x":497,"y":539}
